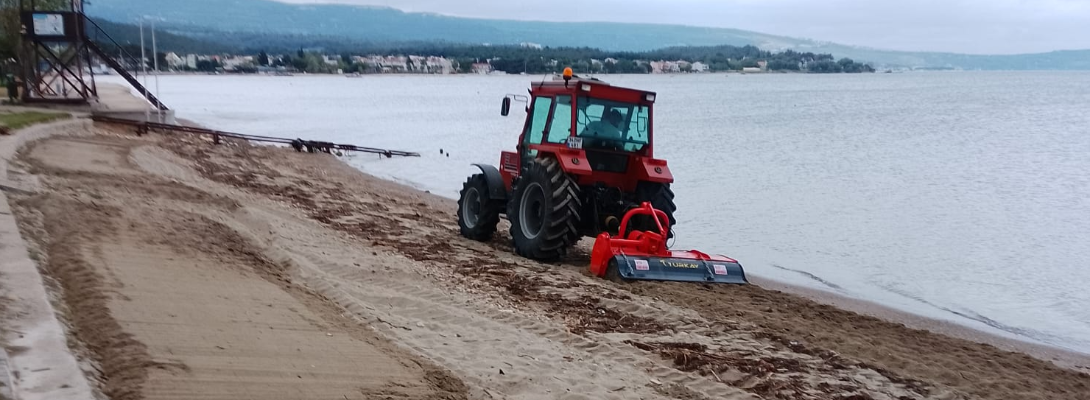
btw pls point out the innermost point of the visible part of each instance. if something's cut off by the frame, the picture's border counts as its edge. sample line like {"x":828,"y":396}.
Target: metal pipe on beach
{"x":144,"y":67}
{"x":155,"y":54}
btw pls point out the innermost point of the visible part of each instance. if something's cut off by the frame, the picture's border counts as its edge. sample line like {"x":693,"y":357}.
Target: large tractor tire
{"x":662,"y":198}
{"x":478,"y":214}
{"x":544,"y":211}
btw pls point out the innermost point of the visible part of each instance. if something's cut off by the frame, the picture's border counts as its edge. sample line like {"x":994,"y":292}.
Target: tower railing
{"x":125,"y":64}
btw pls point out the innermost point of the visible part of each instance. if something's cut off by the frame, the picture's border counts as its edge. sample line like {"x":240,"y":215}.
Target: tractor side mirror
{"x":505,"y":105}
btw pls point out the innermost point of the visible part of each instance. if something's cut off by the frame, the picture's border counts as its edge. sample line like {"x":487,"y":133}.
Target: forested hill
{"x":128,"y":36}
{"x":270,"y":24}
{"x":381,"y":24}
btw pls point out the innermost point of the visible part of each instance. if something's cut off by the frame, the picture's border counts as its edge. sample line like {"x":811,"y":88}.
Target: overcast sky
{"x":963,"y":26}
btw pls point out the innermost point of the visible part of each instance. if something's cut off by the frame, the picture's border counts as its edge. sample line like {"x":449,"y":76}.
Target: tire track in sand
{"x":566,"y":299}
{"x":174,"y":306}
{"x":539,"y":358}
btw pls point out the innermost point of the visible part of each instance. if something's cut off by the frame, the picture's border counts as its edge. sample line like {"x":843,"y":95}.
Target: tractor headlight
{"x":585,"y":87}
{"x":650,"y":97}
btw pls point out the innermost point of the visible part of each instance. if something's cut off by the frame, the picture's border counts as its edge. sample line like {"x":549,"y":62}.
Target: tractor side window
{"x":561,"y":126}
{"x":538,"y":121}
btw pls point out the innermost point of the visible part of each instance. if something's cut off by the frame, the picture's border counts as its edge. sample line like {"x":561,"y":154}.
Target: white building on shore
{"x":235,"y":62}
{"x":174,"y":61}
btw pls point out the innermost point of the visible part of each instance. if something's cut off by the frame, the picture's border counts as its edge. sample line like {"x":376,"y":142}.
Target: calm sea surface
{"x":960,"y":196}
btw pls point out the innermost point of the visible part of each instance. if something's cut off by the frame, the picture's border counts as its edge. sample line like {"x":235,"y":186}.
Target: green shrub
{"x":14,"y":121}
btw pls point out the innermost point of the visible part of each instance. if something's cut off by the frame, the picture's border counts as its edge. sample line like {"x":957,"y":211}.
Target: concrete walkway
{"x":119,"y":101}
{"x":37,"y":363}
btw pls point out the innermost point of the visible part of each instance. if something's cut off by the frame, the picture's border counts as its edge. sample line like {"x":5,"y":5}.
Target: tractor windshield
{"x":612,"y":124}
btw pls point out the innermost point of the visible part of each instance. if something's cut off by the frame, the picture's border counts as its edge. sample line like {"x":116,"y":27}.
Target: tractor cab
{"x":592,"y":112}
{"x":601,"y":133}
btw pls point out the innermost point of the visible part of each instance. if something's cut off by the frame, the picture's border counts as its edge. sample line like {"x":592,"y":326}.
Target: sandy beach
{"x":183,"y":269}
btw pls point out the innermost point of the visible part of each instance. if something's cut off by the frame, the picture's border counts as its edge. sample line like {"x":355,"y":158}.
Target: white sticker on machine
{"x":641,"y":265}
{"x":719,"y":269}
{"x":575,"y":142}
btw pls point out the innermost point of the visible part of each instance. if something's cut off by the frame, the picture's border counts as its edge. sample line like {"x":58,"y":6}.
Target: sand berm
{"x":188,"y":270}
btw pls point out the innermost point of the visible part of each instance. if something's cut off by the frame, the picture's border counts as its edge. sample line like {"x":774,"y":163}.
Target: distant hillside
{"x":1056,"y":60}
{"x":128,"y":36}
{"x":271,"y":22}
{"x":387,"y":24}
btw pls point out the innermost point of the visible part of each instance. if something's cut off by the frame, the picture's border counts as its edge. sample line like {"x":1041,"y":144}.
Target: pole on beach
{"x":144,"y":67}
{"x":155,"y":53}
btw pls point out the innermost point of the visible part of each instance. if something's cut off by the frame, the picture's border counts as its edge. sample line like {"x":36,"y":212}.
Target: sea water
{"x":963,"y":196}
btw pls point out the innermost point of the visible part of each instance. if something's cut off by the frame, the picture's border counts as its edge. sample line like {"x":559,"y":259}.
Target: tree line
{"x":520,"y":59}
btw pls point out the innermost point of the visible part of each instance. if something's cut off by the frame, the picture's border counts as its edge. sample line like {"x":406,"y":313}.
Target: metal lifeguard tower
{"x":57,"y":52}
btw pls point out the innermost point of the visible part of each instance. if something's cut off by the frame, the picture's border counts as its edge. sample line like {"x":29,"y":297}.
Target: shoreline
{"x":1067,"y":358}
{"x":946,"y":331}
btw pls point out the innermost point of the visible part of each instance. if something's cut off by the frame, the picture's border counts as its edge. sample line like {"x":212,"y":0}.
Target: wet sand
{"x":192,"y":270}
{"x":170,"y":303}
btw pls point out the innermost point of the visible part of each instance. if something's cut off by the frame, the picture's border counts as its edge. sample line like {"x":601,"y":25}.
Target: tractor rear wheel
{"x":478,"y":214}
{"x":662,"y":198}
{"x":544,"y":211}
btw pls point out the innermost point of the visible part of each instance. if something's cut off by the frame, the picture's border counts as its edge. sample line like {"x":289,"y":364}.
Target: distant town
{"x":375,"y":64}
{"x":523,"y":59}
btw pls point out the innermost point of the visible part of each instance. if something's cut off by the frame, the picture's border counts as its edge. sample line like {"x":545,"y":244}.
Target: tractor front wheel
{"x":478,"y":214}
{"x":544,"y":211}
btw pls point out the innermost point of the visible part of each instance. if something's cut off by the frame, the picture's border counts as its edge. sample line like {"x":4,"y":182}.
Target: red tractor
{"x":584,"y":164}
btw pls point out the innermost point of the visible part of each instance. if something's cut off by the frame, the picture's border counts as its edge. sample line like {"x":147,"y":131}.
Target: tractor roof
{"x":577,"y":78}
{"x":598,"y":88}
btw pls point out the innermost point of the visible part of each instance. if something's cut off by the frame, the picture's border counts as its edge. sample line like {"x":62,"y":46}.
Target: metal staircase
{"x":97,"y":38}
